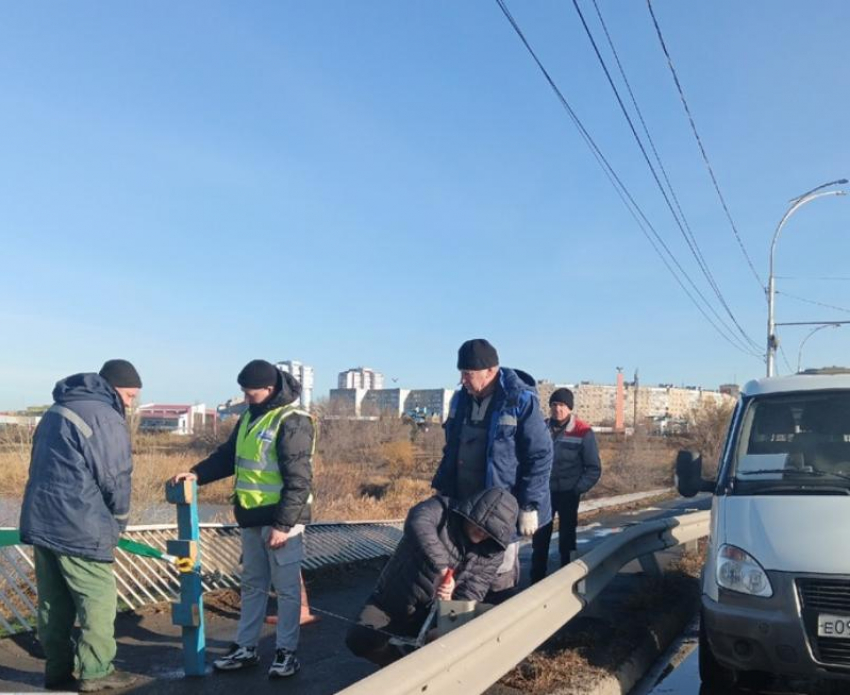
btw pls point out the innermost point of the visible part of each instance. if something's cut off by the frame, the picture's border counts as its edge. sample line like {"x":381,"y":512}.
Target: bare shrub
{"x":346,"y":440}
{"x":368,"y":469}
{"x":397,"y":456}
{"x":210,"y":438}
{"x":706,"y":432}
{"x":428,"y":442}
{"x":632,"y":464}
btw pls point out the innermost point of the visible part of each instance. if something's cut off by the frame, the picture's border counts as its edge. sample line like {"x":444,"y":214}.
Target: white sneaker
{"x":285,"y":664}
{"x":238,"y":657}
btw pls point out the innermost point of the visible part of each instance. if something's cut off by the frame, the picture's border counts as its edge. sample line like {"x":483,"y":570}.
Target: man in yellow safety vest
{"x":270,"y":454}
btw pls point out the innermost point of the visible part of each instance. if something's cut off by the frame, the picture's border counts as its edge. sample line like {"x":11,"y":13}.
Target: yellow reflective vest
{"x":258,"y":478}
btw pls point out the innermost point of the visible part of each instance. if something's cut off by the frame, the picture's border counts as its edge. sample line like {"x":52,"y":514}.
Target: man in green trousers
{"x":76,"y":504}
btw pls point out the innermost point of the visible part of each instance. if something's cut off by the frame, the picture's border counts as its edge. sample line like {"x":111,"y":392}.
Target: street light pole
{"x":811,"y":333}
{"x":796,"y":204}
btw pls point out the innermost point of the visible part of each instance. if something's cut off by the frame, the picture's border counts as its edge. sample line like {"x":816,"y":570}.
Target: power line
{"x":683,"y":225}
{"x":814,"y":302}
{"x":701,"y":147}
{"x":623,"y":192}
{"x":837,"y":278}
{"x":686,"y":230}
{"x":791,"y":369}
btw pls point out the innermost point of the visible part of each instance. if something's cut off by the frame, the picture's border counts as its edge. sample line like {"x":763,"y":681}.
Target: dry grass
{"x":634,"y":464}
{"x":590,"y":647}
{"x":363,"y":469}
{"x":15,"y":445}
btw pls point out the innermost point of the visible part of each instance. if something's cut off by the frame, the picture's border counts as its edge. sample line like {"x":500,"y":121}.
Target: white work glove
{"x":528,"y":522}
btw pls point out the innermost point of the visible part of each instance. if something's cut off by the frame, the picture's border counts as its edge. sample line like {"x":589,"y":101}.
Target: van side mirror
{"x":689,"y":480}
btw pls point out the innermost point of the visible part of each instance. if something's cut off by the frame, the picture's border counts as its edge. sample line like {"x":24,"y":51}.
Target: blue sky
{"x":193,"y":185}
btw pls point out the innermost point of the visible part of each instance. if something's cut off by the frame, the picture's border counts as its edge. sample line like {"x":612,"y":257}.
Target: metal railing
{"x":142,"y":580}
{"x":473,"y":657}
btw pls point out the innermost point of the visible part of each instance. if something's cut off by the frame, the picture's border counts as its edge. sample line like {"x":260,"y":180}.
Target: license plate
{"x":834,"y":626}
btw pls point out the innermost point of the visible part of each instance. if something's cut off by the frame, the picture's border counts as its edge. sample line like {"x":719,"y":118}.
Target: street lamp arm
{"x":837,"y":182}
{"x":810,"y":334}
{"x":772,"y":342}
{"x":801,"y":201}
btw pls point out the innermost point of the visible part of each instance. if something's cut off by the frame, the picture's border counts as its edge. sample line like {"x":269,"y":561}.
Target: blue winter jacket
{"x":77,"y":499}
{"x":519,"y":447}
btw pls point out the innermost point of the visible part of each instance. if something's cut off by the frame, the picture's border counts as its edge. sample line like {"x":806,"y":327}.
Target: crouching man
{"x":439,"y":535}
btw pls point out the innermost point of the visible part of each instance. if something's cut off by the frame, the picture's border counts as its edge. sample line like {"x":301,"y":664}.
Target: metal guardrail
{"x":473,"y":657}
{"x":142,"y":580}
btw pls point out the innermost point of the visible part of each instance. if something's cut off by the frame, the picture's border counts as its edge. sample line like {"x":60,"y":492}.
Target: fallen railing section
{"x":473,"y":657}
{"x":143,"y":580}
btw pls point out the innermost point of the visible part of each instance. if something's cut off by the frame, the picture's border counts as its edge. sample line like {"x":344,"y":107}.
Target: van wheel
{"x":711,"y":671}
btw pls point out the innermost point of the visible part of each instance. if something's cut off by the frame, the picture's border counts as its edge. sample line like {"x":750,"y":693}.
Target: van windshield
{"x":799,"y":440}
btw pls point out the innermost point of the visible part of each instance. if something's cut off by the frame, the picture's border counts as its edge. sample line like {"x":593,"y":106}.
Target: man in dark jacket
{"x":270,"y":453}
{"x":496,"y":437}
{"x":76,"y":503}
{"x":575,"y":470}
{"x":439,"y":535}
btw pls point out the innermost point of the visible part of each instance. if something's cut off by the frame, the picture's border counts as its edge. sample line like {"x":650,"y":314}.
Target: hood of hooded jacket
{"x":287,"y":391}
{"x":87,"y":387}
{"x":526,"y":378}
{"x":513,"y":381}
{"x":495,"y":511}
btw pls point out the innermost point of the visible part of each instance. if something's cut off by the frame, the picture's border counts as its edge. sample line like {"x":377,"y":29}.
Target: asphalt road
{"x":150,"y":646}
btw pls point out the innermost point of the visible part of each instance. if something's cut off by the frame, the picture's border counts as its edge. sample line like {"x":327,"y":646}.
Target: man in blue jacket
{"x":496,"y":437}
{"x":76,"y":503}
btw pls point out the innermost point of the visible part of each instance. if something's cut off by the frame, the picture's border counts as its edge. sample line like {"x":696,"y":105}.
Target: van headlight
{"x":739,"y":571}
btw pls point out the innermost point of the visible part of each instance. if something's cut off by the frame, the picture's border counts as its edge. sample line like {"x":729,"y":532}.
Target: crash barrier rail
{"x":144,"y":579}
{"x":473,"y":657}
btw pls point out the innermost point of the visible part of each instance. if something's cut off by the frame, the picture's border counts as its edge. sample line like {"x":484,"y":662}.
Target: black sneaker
{"x":117,"y":680}
{"x":61,"y":683}
{"x":285,"y":664}
{"x":238,"y":657}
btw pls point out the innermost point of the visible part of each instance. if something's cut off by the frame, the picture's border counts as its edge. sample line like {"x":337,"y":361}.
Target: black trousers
{"x":565,"y":505}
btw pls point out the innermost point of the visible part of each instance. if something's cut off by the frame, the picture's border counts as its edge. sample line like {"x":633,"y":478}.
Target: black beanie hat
{"x":477,"y":354}
{"x":121,"y":374}
{"x":257,"y":374}
{"x":564,"y":396}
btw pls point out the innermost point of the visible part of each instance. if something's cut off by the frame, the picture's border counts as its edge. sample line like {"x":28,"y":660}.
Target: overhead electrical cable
{"x":682,"y":224}
{"x":791,"y":369}
{"x":629,"y":201}
{"x":838,"y":278}
{"x":701,"y":147}
{"x":814,"y":302}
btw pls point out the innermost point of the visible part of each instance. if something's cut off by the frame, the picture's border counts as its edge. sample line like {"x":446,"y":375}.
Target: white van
{"x":776,"y":582}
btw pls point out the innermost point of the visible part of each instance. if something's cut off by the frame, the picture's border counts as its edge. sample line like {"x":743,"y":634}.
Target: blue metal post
{"x":189,"y":611}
